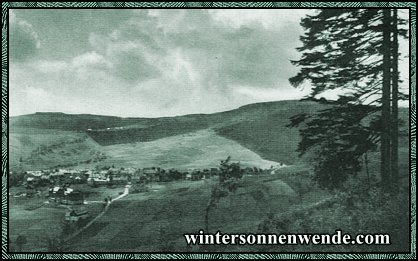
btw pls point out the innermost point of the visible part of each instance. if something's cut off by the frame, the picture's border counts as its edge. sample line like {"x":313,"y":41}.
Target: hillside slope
{"x":32,"y":149}
{"x":200,"y":149}
{"x":89,"y":139}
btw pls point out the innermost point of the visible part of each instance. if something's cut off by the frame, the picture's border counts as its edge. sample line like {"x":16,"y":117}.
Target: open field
{"x":33,"y":219}
{"x":157,"y":220}
{"x":37,"y":220}
{"x":201,"y":149}
{"x":254,"y":135}
{"x":257,"y":132}
{"x":45,"y":140}
{"x":32,"y":149}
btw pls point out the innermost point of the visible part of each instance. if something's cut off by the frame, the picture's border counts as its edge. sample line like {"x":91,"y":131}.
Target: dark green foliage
{"x":348,"y":50}
{"x":264,"y":119}
{"x":343,"y":49}
{"x":77,"y":122}
{"x":334,"y":43}
{"x":265,"y":132}
{"x":338,"y":137}
{"x":356,"y":208}
{"x":16,"y":179}
{"x":153,"y":132}
{"x":229,"y":176}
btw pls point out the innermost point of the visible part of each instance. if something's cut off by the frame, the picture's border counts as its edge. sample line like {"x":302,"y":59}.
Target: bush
{"x":16,"y":179}
{"x":357,"y":208}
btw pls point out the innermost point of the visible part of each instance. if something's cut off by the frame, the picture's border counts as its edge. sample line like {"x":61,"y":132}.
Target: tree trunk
{"x":395,"y":82}
{"x":386,"y":119}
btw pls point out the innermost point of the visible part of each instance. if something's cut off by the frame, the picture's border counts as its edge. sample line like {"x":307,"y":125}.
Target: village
{"x":73,"y":188}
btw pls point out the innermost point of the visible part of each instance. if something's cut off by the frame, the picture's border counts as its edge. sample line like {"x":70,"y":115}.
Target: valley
{"x":168,"y":166}
{"x":48,"y":140}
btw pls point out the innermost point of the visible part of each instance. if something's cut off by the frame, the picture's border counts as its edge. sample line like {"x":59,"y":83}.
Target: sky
{"x":151,"y":62}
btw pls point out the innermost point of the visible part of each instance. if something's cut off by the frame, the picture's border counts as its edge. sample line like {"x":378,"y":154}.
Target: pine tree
{"x":395,"y":87}
{"x":386,"y":117}
{"x":353,"y":51}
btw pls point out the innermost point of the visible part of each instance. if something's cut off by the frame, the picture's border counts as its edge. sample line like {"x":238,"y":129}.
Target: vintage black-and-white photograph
{"x":208,"y":130}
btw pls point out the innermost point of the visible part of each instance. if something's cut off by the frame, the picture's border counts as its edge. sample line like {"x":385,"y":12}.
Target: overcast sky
{"x":148,"y":63}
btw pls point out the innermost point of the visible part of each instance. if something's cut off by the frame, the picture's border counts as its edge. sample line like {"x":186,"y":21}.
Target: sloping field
{"x":200,"y":149}
{"x":157,"y":220}
{"x":44,"y":140}
{"x":36,"y":223}
{"x":32,"y":149}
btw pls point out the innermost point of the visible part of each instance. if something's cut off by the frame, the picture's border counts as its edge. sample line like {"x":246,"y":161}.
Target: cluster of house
{"x":124,"y":176}
{"x":61,"y":178}
{"x":111,"y":176}
{"x":37,"y":178}
{"x":65,"y":195}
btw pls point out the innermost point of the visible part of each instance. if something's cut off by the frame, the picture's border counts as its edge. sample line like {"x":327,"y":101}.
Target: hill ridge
{"x":259,"y":127}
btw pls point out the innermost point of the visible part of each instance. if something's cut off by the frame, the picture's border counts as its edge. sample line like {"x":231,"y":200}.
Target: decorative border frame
{"x":5,"y":116}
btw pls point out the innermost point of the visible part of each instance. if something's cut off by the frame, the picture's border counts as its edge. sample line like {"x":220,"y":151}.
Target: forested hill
{"x":260,"y":127}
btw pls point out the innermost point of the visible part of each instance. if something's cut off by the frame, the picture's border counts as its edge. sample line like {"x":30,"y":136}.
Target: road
{"x":109,"y":203}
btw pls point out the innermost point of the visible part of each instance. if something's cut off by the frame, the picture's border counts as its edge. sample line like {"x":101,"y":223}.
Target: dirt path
{"x":124,"y":194}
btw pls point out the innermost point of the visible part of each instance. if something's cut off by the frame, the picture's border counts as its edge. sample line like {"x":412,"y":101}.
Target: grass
{"x":260,"y":128}
{"x":157,"y":220}
{"x":36,"y":225}
{"x":35,"y":149}
{"x":38,"y":221}
{"x":257,"y":127}
{"x":201,"y":149}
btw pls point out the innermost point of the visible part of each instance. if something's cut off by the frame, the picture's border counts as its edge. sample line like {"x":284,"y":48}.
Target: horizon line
{"x":170,"y":116}
{"x":178,"y":115}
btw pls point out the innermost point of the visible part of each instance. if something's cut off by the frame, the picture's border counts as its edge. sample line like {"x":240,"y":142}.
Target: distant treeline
{"x":154,"y":132}
{"x":71,"y":122}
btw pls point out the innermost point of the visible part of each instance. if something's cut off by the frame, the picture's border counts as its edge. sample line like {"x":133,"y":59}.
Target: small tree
{"x":229,"y":176}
